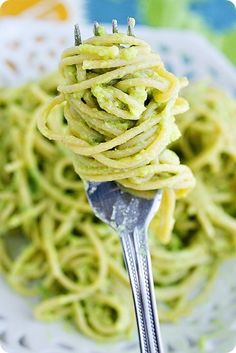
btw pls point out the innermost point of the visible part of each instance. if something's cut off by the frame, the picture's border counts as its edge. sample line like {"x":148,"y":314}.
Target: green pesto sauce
{"x":100,"y":51}
{"x":128,"y":53}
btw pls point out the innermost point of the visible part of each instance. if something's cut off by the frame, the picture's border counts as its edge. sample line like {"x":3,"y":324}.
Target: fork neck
{"x":138,"y":264}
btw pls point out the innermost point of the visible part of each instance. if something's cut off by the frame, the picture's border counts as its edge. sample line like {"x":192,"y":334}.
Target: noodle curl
{"x":119,"y":103}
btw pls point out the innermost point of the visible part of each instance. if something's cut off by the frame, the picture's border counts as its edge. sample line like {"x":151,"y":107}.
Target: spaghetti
{"x":119,"y":104}
{"x":51,"y":245}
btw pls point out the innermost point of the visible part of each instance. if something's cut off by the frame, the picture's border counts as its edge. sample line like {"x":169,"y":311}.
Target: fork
{"x":130,"y":217}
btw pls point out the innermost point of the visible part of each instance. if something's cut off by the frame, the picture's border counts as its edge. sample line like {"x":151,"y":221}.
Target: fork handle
{"x":138,"y":264}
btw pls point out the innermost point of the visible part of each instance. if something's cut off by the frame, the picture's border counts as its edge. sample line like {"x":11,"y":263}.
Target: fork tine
{"x":131,"y":24}
{"x":114,"y":26}
{"x":77,"y":35}
{"x":95,"y":28}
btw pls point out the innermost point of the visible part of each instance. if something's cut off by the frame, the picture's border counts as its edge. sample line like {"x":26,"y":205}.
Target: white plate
{"x":27,"y":49}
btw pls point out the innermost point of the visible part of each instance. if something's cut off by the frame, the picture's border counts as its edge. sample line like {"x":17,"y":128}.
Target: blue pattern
{"x":219,"y":14}
{"x":106,"y":10}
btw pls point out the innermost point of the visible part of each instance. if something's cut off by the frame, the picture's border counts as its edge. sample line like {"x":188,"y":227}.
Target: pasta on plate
{"x":51,"y":244}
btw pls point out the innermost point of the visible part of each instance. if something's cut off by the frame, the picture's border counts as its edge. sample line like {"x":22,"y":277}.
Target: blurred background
{"x":215,"y":19}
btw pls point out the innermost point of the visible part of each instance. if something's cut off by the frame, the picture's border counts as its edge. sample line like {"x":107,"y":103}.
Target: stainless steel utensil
{"x":130,"y":217}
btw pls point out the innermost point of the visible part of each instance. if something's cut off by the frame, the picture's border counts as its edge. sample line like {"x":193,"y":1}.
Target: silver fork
{"x":130,"y":217}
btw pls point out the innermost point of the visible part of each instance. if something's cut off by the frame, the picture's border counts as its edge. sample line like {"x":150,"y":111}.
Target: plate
{"x":29,"y":49}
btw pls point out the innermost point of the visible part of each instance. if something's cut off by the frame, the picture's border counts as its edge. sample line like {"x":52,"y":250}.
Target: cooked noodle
{"x":119,"y":104}
{"x":53,"y":247}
